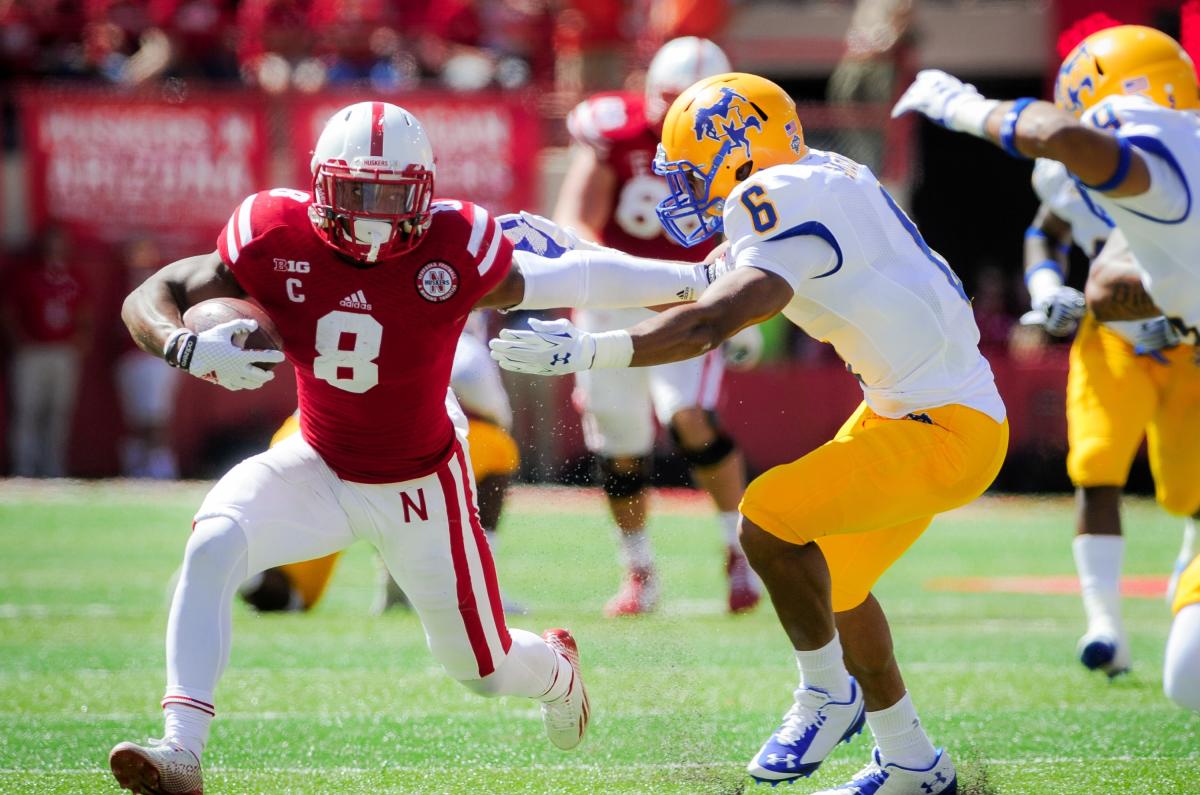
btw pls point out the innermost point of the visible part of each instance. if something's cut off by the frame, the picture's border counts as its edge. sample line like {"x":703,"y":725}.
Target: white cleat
{"x":1105,"y":651}
{"x":811,"y":729}
{"x":162,"y":768}
{"x":566,"y":718}
{"x":888,"y":778}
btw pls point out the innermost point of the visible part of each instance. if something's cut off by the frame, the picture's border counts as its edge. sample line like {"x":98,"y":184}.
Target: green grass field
{"x":341,"y":702}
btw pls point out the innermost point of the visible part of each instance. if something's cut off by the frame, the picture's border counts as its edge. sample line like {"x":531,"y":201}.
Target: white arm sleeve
{"x":606,"y":279}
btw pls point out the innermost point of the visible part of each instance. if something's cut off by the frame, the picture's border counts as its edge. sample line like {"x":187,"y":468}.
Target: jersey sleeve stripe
{"x":231,"y":246}
{"x":488,"y":259}
{"x":479,"y":224}
{"x":244,"y":230}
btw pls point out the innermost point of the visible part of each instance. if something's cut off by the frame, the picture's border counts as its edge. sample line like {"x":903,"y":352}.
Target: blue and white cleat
{"x":1104,"y":652}
{"x":889,"y":778}
{"x":811,"y":729}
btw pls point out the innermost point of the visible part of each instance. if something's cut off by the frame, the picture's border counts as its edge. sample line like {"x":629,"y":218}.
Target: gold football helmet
{"x":715,"y":135}
{"x":1127,"y":59}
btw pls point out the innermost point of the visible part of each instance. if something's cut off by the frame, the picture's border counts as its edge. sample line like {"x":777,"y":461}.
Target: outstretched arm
{"x":1031,"y":128}
{"x":739,"y":299}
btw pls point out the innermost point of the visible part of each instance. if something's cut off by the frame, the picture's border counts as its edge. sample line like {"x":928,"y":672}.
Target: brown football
{"x":215,"y":311}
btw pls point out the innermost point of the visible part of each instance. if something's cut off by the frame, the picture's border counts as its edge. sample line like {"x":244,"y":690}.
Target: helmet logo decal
{"x":1069,"y":89}
{"x":726,"y":122}
{"x":792,"y":129}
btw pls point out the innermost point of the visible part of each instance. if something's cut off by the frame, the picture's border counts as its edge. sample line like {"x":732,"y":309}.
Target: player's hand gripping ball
{"x":228,"y":341}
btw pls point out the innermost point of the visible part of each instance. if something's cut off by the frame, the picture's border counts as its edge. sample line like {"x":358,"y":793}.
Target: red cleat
{"x":638,"y":594}
{"x":744,"y":588}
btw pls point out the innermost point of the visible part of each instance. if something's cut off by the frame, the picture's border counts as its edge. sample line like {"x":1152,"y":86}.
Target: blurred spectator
{"x":867,"y":71}
{"x":48,"y":319}
{"x":276,"y":45}
{"x":198,"y":36}
{"x":145,"y":387}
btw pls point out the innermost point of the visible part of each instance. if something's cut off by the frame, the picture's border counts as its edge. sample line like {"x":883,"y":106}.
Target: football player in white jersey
{"x":1127,"y":380}
{"x":609,"y":195}
{"x":1125,"y":125}
{"x":814,"y":236}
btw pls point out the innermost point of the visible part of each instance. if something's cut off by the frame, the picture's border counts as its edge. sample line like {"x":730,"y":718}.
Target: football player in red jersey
{"x":370,"y":283}
{"x":609,"y":195}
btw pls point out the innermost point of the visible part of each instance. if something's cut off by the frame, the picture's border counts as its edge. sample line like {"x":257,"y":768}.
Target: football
{"x":215,"y":311}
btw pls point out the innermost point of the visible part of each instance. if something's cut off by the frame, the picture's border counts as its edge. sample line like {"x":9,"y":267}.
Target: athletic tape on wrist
{"x":1046,"y":264}
{"x":1008,"y":127}
{"x":179,"y":348}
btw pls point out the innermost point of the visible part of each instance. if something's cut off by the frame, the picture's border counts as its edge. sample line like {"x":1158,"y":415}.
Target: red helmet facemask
{"x":371,"y":214}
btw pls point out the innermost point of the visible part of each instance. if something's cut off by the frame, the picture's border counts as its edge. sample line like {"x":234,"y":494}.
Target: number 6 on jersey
{"x":348,"y":345}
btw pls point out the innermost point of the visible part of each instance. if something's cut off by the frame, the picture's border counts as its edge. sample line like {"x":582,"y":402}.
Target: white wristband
{"x":970,"y":115}
{"x":613,"y":349}
{"x":1042,"y":283}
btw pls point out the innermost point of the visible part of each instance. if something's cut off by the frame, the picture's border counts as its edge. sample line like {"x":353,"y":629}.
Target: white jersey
{"x":865,"y":281}
{"x":475,"y":378}
{"x":1055,"y":186}
{"x":1162,"y":225}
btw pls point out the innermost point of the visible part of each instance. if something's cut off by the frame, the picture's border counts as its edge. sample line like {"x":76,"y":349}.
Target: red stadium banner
{"x":110,"y":166}
{"x":485,"y":146}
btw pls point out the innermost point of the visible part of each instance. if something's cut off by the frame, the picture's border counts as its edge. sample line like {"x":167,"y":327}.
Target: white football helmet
{"x":675,"y":67}
{"x":372,"y":181}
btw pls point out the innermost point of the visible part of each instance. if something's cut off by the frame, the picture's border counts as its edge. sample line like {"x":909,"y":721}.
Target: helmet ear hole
{"x":744,"y":170}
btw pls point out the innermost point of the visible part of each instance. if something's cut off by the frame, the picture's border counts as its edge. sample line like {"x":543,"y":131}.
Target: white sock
{"x":531,"y":669}
{"x":1181,"y":675}
{"x":186,"y":722}
{"x":1187,"y":548}
{"x":825,"y":669}
{"x":635,"y":549}
{"x":899,"y":735}
{"x":729,"y":527}
{"x":1098,"y":560}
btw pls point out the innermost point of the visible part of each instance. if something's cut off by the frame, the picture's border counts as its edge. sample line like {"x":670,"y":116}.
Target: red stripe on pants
{"x":462,"y":574}
{"x":485,"y":554}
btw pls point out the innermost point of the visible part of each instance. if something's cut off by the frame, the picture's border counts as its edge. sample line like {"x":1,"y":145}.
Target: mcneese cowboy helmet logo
{"x":726,"y":122}
{"x":437,"y":281}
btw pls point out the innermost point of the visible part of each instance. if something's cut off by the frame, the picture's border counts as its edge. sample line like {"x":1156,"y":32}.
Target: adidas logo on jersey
{"x":355,"y":301}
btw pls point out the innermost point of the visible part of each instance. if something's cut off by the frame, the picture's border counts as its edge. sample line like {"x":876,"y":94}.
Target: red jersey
{"x":47,"y":303}
{"x":372,"y":346}
{"x":614,"y":126}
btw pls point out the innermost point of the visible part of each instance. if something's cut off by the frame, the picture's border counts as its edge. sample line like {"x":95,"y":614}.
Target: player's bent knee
{"x":489,"y":686}
{"x":1178,"y":501}
{"x":623,"y":477}
{"x":700,"y":439}
{"x":217,"y":546}
{"x":761,"y":547}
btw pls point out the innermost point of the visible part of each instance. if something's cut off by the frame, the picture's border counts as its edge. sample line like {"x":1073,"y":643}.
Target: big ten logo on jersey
{"x":639,"y":197}
{"x":292,"y":285}
{"x":437,"y":281}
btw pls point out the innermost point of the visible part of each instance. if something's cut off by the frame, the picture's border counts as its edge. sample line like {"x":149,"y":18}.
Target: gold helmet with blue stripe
{"x":715,"y":135}
{"x":1127,"y":59}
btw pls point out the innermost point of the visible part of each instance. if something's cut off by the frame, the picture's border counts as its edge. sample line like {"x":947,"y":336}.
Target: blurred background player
{"x":1121,"y":386}
{"x":609,"y":195}
{"x":475,"y":379}
{"x":48,"y":320}
{"x":145,"y":388}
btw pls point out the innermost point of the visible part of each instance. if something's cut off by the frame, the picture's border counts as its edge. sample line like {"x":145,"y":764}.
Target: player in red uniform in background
{"x":369,"y":283}
{"x":609,"y":195}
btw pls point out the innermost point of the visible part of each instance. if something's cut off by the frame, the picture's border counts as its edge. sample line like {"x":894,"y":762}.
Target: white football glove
{"x":1154,"y":336}
{"x":1058,"y":311}
{"x":947,"y":101}
{"x":216,"y":355}
{"x":743,"y":350}
{"x":556,"y":347}
{"x":541,"y":236}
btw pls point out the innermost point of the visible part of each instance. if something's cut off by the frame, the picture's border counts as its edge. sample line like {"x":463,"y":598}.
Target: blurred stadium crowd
{"x":257,"y":75}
